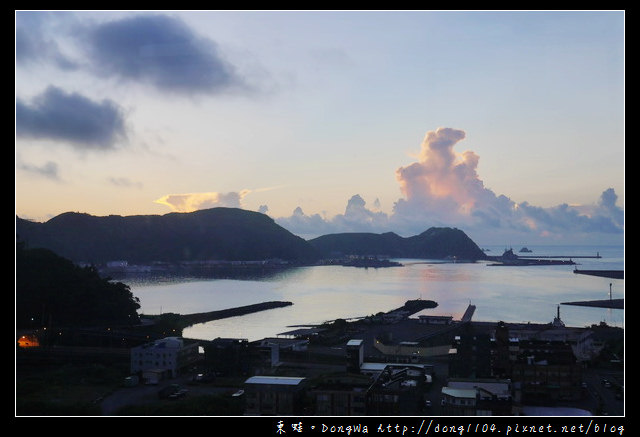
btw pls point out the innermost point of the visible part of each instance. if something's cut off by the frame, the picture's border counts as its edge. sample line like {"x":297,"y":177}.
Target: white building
{"x":167,"y":357}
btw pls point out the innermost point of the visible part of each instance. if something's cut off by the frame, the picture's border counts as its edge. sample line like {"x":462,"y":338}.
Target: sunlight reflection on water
{"x":322,"y":293}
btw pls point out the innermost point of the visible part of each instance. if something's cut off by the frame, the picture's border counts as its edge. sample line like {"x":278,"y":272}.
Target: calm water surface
{"x":322,"y":293}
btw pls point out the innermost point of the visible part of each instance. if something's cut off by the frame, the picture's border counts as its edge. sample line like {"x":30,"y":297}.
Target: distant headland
{"x":227,"y":237}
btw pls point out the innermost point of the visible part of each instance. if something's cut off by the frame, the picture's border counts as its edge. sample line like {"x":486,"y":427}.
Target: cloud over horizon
{"x":189,"y":202}
{"x":97,"y":82}
{"x":443,"y":188}
{"x":443,"y":183}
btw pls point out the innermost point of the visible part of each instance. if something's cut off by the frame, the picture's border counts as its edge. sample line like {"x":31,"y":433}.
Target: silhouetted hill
{"x":435,"y":243}
{"x":228,"y":234}
{"x":51,"y":289}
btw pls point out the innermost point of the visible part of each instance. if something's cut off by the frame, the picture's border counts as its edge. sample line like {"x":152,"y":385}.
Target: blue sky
{"x":506,"y":124}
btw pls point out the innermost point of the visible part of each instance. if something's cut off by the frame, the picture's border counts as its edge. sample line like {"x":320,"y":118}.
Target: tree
{"x":52,"y":291}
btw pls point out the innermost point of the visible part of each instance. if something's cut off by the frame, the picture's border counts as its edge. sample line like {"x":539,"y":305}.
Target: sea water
{"x":325,"y":293}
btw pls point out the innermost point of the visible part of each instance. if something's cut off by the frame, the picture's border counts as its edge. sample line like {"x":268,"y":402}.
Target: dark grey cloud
{"x":34,"y":45}
{"x":159,"y":50}
{"x":71,"y":117}
{"x":124,"y":182}
{"x":49,"y":170}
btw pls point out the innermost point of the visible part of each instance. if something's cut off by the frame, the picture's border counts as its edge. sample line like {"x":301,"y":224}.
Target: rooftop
{"x":459,"y":392}
{"x":278,"y":380}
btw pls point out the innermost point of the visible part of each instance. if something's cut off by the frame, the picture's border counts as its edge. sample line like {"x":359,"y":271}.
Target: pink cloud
{"x":443,"y":182}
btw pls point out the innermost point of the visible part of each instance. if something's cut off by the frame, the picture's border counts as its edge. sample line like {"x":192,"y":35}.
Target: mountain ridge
{"x":225,"y":234}
{"x":229,"y":234}
{"x":435,"y":242}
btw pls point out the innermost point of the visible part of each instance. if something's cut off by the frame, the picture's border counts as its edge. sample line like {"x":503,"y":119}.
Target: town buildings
{"x":164,"y":358}
{"x":484,"y":368}
{"x":274,"y":395}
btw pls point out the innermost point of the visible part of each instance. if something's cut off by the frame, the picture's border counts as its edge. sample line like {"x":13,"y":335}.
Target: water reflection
{"x":322,"y":293}
{"x":192,"y":274}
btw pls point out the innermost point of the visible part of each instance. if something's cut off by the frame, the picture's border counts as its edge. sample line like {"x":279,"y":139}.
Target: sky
{"x":508,"y":125}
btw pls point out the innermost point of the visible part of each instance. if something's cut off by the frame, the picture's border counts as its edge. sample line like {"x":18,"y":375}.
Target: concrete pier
{"x":617,"y":304}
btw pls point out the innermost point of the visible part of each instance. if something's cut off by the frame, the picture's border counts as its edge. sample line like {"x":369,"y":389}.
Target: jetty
{"x":617,"y":304}
{"x":597,"y":255}
{"x":614,"y":274}
{"x":560,"y":256}
{"x":508,"y":258}
{"x":195,"y":318}
{"x":187,"y":320}
{"x":414,"y":306}
{"x":602,"y":303}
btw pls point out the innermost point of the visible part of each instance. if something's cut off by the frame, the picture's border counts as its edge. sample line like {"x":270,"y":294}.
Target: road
{"x":601,"y":396}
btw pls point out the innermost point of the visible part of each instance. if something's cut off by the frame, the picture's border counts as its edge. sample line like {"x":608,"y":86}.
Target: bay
{"x":325,"y":293}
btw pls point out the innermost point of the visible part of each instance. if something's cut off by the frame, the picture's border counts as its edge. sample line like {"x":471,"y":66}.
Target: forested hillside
{"x":53,"y":291}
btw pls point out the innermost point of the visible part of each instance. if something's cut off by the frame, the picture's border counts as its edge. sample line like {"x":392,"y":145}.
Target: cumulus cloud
{"x":443,"y":188}
{"x":607,"y":208}
{"x":442,"y":184}
{"x":356,"y":218}
{"x":71,"y":118}
{"x":159,"y":50}
{"x":190,"y":202}
{"x":306,"y":226}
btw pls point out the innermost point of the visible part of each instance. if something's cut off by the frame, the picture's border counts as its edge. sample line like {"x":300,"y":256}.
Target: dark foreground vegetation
{"x":202,"y":405}
{"x":50,"y":386}
{"x":57,"y":384}
{"x":51,"y":291}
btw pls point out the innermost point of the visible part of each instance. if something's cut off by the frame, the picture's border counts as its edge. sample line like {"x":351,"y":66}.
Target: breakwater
{"x":532,"y":262}
{"x":192,"y":319}
{"x":414,"y":306}
{"x":597,"y":256}
{"x":603,"y":303}
{"x":508,"y":258}
{"x":614,"y":274}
